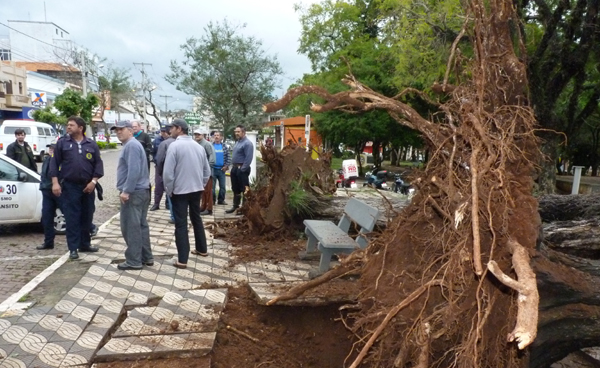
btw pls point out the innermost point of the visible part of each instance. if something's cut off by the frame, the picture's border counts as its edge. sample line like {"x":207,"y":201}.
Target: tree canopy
{"x":67,"y":104}
{"x":231,"y":73}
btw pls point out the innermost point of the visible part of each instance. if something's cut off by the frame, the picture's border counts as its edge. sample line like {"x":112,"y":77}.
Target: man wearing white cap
{"x":207,"y":201}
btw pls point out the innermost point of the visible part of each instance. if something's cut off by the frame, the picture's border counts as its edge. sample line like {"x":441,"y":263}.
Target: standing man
{"x":75,"y":169}
{"x":161,"y":155}
{"x":186,"y":174}
{"x":207,"y":197}
{"x":159,"y":187}
{"x":222,"y":162}
{"x":133,"y":184}
{"x":49,"y":201}
{"x":243,"y":152}
{"x":20,"y":151}
{"x":144,"y":139}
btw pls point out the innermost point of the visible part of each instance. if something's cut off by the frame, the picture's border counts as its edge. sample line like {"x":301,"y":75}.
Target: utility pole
{"x":83,"y":73}
{"x":144,"y":89}
{"x":166,"y":105}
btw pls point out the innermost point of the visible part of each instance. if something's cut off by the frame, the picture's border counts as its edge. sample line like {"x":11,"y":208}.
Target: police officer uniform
{"x":75,"y":165}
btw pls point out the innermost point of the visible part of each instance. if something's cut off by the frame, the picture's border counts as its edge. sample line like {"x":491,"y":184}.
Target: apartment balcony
{"x":17,"y":101}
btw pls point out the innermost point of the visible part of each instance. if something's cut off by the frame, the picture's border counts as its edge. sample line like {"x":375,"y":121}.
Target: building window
{"x":4,"y":54}
{"x":20,"y":88}
{"x":56,"y":31}
{"x":61,"y":34}
{"x":9,"y":88}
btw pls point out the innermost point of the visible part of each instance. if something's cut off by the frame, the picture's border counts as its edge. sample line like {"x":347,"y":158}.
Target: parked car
{"x":38,"y":135}
{"x":20,"y":196}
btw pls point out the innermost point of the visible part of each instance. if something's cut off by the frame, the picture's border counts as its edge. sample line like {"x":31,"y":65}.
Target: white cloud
{"x":128,"y":31}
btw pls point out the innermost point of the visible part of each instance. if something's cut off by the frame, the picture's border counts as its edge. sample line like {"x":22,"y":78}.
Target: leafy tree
{"x":67,"y":104}
{"x":118,"y":82}
{"x":231,"y":73}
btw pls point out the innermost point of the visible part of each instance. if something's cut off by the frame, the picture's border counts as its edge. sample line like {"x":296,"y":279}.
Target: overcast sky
{"x":152,"y":31}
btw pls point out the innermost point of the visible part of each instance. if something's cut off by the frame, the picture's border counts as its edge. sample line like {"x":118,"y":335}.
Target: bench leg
{"x":325,"y":262}
{"x":311,"y":243}
{"x":311,"y":253}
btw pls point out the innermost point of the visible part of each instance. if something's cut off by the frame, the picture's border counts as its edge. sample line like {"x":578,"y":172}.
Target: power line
{"x":37,"y":39}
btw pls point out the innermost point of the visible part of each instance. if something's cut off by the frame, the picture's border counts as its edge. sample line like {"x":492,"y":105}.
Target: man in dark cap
{"x":75,"y":169}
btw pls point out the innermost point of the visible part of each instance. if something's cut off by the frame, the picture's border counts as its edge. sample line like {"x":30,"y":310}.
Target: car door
{"x":18,"y":199}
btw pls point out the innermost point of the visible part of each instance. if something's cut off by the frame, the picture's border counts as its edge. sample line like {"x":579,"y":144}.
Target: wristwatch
{"x":94,"y":181}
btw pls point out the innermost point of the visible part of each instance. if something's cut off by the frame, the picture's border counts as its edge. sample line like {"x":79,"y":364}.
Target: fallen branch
{"x":525,"y":330}
{"x":339,"y":271}
{"x":409,"y":299}
{"x":242,"y":333}
{"x":475,"y":215}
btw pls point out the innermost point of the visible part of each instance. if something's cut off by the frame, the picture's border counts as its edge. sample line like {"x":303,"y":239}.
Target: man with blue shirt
{"x":243,"y":152}
{"x":133,"y":185}
{"x":49,"y":201}
{"x":222,"y":163}
{"x":75,"y":169}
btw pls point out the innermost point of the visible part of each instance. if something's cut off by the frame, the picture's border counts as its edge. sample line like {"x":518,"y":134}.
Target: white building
{"x":55,"y":45}
{"x":45,"y":88}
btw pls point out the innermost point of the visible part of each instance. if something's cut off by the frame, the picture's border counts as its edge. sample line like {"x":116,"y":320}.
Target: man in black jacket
{"x":20,"y":151}
{"x":50,"y":202}
{"x":144,"y":139}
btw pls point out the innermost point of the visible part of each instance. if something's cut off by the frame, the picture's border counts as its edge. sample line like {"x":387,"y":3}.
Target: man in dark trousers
{"x":75,"y":169}
{"x":159,"y":187}
{"x":243,"y":152}
{"x":144,"y":139}
{"x":20,"y":151}
{"x":50,"y":202}
{"x":161,"y":155}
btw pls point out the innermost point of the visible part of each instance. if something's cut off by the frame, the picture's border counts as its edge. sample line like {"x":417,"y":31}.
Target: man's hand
{"x":225,"y":168}
{"x":56,"y":189}
{"x":124,"y":197}
{"x":89,"y":187}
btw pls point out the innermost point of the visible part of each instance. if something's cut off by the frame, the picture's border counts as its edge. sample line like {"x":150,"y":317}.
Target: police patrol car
{"x":20,"y":196}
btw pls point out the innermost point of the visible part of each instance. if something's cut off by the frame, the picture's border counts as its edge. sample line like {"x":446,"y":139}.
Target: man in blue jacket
{"x":49,"y":201}
{"x":243,"y":152}
{"x":222,"y":163}
{"x":75,"y":169}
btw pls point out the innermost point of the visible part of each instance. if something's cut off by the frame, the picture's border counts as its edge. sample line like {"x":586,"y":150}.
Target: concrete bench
{"x":334,"y":239}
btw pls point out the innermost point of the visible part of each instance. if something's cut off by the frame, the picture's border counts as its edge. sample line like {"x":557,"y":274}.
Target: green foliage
{"x":67,"y":104}
{"x":112,"y":145}
{"x":101,"y":145}
{"x":299,"y":201}
{"x":231,"y":73}
{"x":118,"y":82}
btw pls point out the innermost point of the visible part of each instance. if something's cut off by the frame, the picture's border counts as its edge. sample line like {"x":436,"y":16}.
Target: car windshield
{"x":11,"y":130}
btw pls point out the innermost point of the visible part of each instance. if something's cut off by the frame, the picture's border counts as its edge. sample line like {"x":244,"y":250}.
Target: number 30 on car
{"x":20,"y":196}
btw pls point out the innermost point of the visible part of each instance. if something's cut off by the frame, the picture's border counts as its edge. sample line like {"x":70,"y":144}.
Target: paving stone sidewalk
{"x":159,"y":311}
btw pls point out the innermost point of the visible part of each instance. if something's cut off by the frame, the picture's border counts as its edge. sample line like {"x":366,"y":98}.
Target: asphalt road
{"x":20,"y":262}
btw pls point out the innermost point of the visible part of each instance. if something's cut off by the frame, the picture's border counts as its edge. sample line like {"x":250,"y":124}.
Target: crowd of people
{"x":187,"y":169}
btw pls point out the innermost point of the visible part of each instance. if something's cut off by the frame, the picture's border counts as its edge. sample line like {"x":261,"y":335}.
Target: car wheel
{"x":60,"y":225}
{"x":337,"y":185}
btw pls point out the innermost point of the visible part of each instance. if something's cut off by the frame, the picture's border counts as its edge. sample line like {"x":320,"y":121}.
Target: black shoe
{"x":204,"y":213}
{"x":222,"y":203}
{"x":171,"y":221}
{"x":231,"y":210}
{"x":44,"y":246}
{"x":154,"y":208}
{"x":74,"y":254}
{"x":89,"y":249}
{"x":94,"y":231}
{"x":149,"y":264}
{"x":125,"y":266}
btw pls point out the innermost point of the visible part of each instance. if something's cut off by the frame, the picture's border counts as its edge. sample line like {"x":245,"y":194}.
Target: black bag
{"x":99,"y":191}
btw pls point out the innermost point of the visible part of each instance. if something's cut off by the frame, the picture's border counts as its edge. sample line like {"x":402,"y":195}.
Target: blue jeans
{"x":219,"y":175}
{"x":180,"y":204}
{"x":78,"y":208}
{"x":50,"y":203}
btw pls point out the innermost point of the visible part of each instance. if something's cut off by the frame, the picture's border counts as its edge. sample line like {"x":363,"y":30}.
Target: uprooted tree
{"x":450,"y":283}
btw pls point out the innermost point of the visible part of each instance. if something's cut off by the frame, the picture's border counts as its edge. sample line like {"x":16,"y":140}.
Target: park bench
{"x":334,"y":239}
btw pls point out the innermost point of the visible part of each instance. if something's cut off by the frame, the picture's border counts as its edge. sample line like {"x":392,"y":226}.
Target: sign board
{"x":192,"y":118}
{"x":39,"y":99}
{"x":349,"y":168}
{"x":110,"y":117}
{"x":307,"y":131}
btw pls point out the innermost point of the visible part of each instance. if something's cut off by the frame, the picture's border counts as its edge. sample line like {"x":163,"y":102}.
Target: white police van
{"x":37,"y":135}
{"x":20,"y":196}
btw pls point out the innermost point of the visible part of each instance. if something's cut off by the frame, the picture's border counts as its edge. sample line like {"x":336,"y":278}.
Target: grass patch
{"x":24,"y":298}
{"x":299,"y":200}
